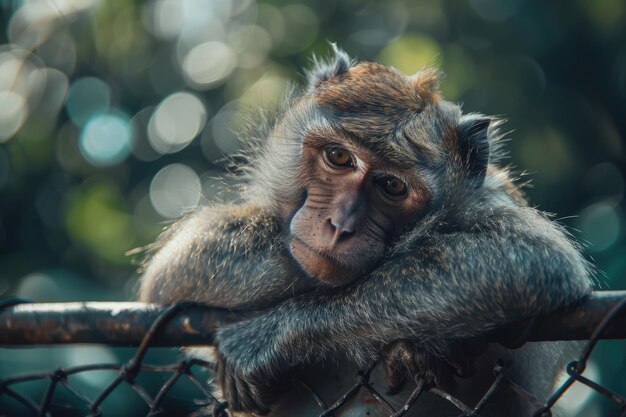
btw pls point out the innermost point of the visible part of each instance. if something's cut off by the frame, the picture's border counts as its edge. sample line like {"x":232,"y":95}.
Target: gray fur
{"x":479,"y":258}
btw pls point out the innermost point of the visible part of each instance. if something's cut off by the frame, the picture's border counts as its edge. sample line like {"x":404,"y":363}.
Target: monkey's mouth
{"x":321,"y":265}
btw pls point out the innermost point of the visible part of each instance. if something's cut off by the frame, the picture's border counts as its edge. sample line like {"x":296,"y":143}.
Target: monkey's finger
{"x":396,"y":375}
{"x":399,"y":351}
{"x":231,"y":394}
{"x":434,"y":369}
{"x":396,"y":379}
{"x":266,"y":391}
{"x":247,"y":399}
{"x":398,"y":364}
{"x":243,"y":395}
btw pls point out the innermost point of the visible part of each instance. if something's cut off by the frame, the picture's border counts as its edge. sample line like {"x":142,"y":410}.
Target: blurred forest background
{"x":114,"y":116}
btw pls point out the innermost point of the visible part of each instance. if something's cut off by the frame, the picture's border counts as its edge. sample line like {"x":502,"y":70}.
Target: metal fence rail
{"x":601,"y":316}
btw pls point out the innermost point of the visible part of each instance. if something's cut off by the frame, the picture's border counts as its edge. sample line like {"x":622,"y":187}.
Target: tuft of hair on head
{"x":326,"y":69}
{"x":426,"y":83}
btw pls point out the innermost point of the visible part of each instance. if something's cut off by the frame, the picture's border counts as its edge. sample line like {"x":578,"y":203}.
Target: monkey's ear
{"x":324,"y":70}
{"x":473,"y":133}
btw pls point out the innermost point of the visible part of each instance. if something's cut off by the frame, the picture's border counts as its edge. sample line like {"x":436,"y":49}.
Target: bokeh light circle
{"x":176,"y":121}
{"x":175,"y":189}
{"x":13,"y":112}
{"x":164,"y":18}
{"x":411,"y":52}
{"x":141,"y":147}
{"x":38,"y":286}
{"x":223,"y":127}
{"x":87,"y":96}
{"x":106,"y":139}
{"x":208,"y":64}
{"x":84,"y":355}
{"x":600,"y":225}
{"x":253,"y":44}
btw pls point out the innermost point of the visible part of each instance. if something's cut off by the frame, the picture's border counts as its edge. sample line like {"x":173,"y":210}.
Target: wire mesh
{"x":192,"y":369}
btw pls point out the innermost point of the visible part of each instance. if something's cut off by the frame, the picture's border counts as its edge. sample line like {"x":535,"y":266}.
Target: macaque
{"x":374,"y":223}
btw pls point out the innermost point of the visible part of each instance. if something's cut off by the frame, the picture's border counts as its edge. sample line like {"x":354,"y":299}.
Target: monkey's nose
{"x":338,"y":232}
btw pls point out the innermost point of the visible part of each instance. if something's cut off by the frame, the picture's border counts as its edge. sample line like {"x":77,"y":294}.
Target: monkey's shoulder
{"x":209,"y":232}
{"x":243,"y":220}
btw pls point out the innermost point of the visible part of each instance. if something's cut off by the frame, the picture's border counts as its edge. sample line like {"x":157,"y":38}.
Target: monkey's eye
{"x":339,"y":157}
{"x":393,"y":186}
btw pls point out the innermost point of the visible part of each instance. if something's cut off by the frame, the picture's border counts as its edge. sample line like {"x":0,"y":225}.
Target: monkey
{"x":374,"y":222}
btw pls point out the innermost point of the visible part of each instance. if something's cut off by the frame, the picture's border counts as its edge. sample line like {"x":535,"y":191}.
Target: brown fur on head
{"x":375,"y":98}
{"x":394,"y":129}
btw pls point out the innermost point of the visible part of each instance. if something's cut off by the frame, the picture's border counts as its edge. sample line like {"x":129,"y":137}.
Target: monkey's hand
{"x":251,"y":372}
{"x":438,"y":365}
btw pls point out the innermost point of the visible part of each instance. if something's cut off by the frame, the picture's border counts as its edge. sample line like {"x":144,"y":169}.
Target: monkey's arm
{"x":509,"y":264}
{"x":224,"y":256}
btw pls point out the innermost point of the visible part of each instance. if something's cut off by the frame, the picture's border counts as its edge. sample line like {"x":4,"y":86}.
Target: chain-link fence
{"x":602,"y":316}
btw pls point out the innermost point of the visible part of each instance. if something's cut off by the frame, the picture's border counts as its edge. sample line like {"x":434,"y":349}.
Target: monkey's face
{"x":355,"y":204}
{"x":368,"y":148}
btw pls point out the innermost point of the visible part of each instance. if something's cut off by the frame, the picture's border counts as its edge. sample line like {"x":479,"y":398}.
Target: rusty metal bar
{"x":575,"y":323}
{"x":125,"y":324}
{"x":581,"y":322}
{"x":111,"y":323}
